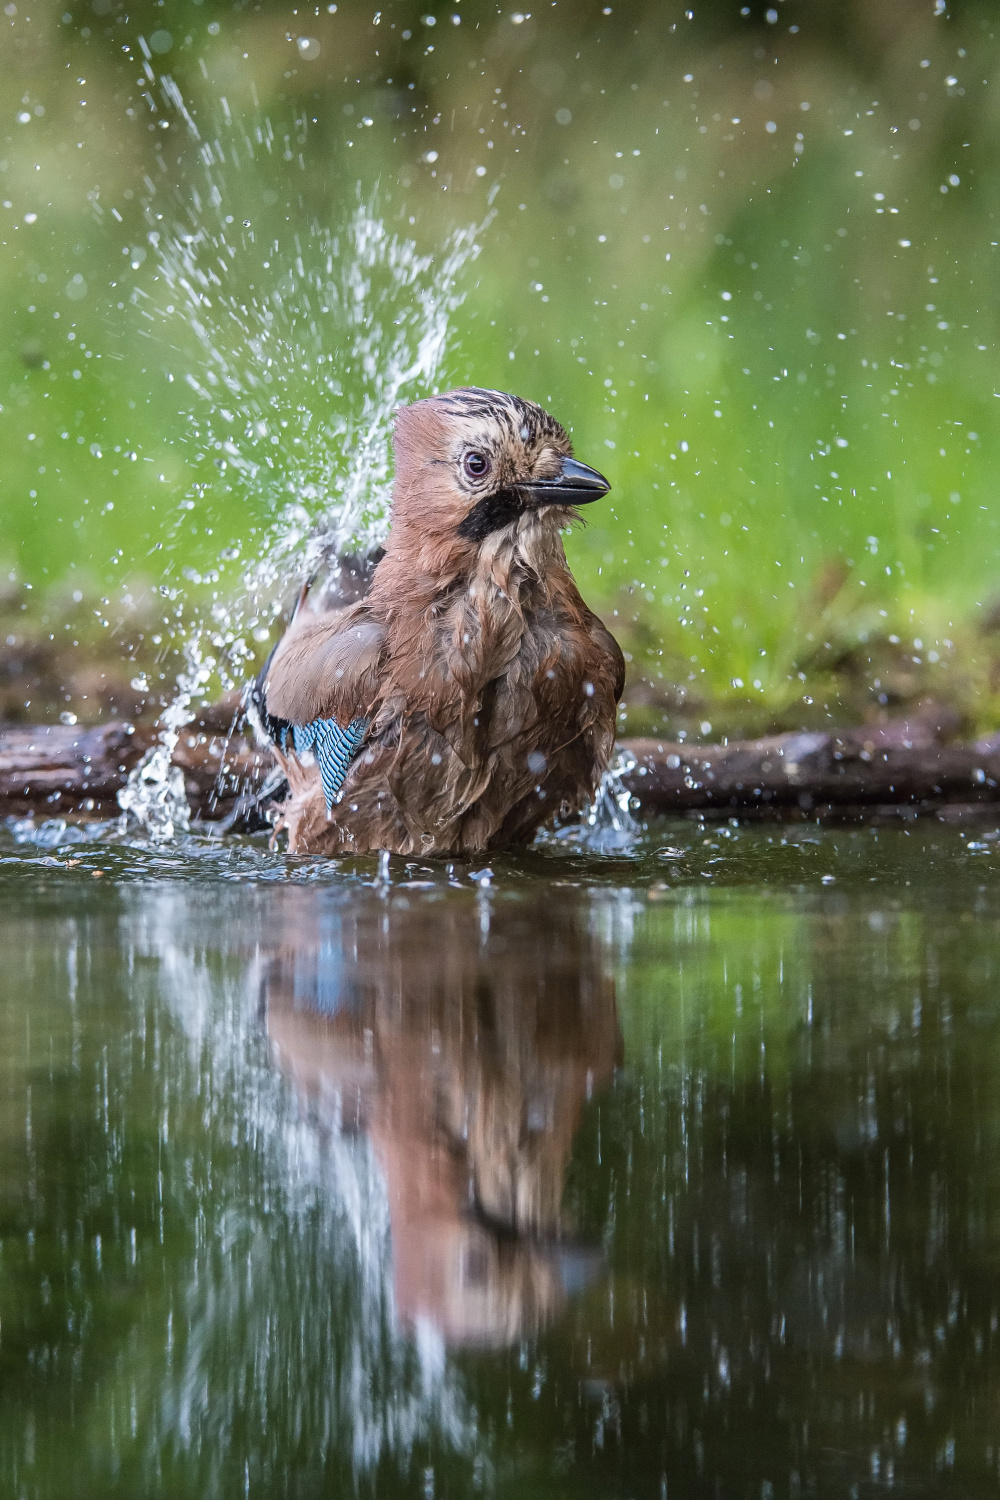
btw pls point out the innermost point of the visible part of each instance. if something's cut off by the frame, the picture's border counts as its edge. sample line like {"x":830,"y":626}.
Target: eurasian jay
{"x":470,"y":695}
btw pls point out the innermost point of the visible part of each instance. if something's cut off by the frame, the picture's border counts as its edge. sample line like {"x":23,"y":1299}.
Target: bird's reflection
{"x":464,"y":1041}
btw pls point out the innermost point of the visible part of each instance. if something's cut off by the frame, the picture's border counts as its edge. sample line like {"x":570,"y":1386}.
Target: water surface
{"x":668,"y":1172}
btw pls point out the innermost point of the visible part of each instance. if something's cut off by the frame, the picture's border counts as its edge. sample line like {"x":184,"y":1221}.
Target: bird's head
{"x":473,"y":464}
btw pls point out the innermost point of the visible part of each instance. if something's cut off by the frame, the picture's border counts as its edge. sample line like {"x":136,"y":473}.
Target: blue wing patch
{"x":334,"y":749}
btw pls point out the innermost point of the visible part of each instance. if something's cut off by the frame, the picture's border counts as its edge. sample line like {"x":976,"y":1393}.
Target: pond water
{"x":671,"y":1172}
{"x":658,"y":1170}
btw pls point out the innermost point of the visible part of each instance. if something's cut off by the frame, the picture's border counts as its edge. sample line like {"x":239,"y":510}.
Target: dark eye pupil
{"x":475,"y":464}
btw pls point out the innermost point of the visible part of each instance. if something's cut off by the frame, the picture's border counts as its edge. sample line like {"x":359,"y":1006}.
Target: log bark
{"x":59,"y":770}
{"x":63,"y":770}
{"x":900,"y":766}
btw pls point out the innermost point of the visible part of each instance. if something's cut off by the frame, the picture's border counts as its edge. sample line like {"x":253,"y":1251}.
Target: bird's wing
{"x":602,"y":637}
{"x":334,"y":747}
{"x":326,"y":666}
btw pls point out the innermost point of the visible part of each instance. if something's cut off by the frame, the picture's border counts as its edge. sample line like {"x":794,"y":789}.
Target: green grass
{"x":796,"y":409}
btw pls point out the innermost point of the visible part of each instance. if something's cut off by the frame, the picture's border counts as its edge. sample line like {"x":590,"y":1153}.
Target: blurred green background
{"x":747,"y":253}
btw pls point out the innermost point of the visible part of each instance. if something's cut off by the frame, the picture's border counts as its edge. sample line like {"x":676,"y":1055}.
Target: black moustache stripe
{"x":490,"y":514}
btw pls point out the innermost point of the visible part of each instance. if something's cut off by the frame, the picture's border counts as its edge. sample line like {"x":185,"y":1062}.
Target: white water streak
{"x":309,"y":1310}
{"x":298,"y":352}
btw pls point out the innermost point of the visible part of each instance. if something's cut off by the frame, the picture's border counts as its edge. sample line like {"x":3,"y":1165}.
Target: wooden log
{"x":62,"y":770}
{"x":57,"y":769}
{"x":815,"y":773}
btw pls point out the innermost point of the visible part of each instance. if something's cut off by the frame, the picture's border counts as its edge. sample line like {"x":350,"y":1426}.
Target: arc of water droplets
{"x":299,"y":354}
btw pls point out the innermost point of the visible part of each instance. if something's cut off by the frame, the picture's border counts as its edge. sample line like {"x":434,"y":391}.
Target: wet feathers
{"x":470,"y":695}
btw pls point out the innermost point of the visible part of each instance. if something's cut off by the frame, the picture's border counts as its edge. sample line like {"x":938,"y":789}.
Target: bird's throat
{"x":492,"y":513}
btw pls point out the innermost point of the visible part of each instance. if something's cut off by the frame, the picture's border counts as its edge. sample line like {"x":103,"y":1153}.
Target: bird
{"x":468,"y":695}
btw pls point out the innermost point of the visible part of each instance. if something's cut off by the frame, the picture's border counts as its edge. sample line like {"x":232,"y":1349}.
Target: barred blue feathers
{"x":334,"y":748}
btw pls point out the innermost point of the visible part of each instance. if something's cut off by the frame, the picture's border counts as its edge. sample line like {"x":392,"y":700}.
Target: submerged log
{"x":900,"y":765}
{"x":64,"y":770}
{"x":59,"y":770}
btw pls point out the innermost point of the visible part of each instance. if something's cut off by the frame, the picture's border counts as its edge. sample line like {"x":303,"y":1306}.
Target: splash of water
{"x":607,"y":825}
{"x":298,"y":353}
{"x":154,"y":794}
{"x":609,"y":821}
{"x":385,"y":312}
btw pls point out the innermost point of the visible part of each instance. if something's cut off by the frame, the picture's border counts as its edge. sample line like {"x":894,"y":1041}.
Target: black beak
{"x":575,"y":484}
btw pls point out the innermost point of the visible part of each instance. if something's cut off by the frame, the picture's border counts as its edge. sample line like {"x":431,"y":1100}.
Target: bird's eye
{"x":476,"y":465}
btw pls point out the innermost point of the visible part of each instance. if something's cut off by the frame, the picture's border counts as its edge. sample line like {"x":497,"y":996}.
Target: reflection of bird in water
{"x":468,"y":1063}
{"x":470,"y":694}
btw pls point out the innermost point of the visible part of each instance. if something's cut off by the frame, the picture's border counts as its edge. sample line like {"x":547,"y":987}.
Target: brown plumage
{"x":488,"y":686}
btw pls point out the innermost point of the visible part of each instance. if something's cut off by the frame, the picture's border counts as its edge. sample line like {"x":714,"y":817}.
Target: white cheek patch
{"x":525,"y":433}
